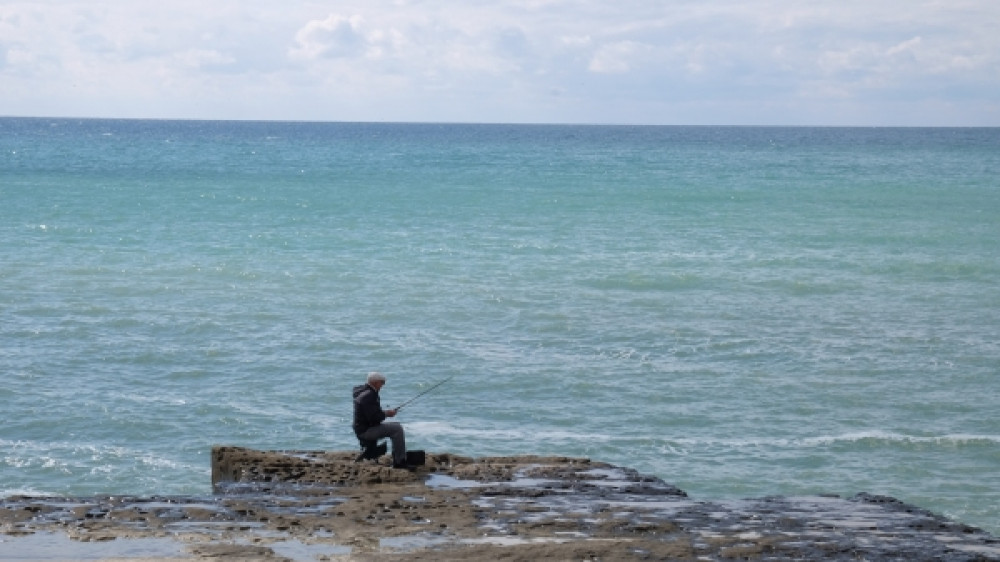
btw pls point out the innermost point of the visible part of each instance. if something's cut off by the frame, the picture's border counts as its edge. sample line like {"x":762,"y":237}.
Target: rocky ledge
{"x":315,"y":505}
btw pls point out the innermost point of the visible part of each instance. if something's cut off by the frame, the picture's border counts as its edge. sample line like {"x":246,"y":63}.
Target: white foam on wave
{"x":441,"y":429}
{"x":141,"y":398}
{"x":875,"y":436}
{"x":871,"y":436}
{"x":65,"y":456}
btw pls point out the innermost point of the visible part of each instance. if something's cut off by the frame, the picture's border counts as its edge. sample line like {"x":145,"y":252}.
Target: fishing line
{"x":400,"y":407}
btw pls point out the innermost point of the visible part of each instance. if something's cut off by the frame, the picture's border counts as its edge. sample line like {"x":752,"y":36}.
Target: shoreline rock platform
{"x":322,"y":505}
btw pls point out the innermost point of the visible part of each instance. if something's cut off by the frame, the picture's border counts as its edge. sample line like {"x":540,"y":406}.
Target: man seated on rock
{"x":369,"y":424}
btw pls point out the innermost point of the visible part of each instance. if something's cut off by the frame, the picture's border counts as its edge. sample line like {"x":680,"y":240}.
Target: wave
{"x":440,"y":429}
{"x":871,"y":437}
{"x":890,"y":437}
{"x":64,"y":454}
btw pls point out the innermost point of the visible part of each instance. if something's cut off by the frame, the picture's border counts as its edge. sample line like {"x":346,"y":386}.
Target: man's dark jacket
{"x":367,"y":409}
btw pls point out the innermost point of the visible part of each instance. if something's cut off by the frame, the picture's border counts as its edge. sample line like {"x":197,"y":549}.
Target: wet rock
{"x":319,"y":504}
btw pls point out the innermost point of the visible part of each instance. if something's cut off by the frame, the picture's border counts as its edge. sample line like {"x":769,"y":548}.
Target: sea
{"x":740,"y":311}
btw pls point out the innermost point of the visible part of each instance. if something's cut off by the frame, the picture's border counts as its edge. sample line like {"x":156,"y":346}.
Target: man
{"x":369,"y":419}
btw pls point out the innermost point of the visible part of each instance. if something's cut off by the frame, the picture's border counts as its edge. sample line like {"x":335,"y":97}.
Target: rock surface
{"x":314,"y":505}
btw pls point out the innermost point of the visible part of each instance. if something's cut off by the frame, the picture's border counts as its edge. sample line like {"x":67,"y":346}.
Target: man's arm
{"x":370,"y":409}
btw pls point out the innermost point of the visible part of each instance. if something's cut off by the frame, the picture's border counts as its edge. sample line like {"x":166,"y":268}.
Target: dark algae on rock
{"x":320,"y":505}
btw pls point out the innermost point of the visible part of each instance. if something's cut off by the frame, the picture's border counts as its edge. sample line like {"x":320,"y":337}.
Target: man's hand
{"x":390,"y":413}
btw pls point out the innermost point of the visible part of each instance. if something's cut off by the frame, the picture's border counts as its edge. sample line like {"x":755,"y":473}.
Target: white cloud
{"x":615,"y":58}
{"x":510,"y":60}
{"x":335,"y":36}
{"x":204,"y":58}
{"x":907,"y":46}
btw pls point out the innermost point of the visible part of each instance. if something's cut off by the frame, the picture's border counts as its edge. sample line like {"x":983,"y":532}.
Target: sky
{"x":659,"y":62}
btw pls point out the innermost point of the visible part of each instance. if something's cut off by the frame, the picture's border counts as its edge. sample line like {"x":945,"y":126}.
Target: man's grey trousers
{"x":394,"y":431}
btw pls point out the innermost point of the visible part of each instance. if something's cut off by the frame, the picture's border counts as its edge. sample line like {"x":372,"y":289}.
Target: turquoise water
{"x":740,"y":311}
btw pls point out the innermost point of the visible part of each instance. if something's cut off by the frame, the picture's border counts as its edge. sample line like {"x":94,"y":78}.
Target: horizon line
{"x":490,"y":123}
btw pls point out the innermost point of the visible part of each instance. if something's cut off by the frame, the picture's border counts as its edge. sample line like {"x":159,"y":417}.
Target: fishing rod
{"x":400,"y":407}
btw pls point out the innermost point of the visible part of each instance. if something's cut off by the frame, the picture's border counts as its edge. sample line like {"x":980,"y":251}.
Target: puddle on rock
{"x":57,"y":546}
{"x":445,"y":481}
{"x":413,"y":542}
{"x":298,"y":550}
